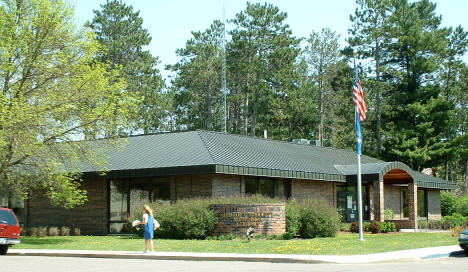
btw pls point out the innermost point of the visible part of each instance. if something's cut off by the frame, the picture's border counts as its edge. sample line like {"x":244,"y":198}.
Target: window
{"x":267,"y":187}
{"x":160,"y":189}
{"x":347,"y":202}
{"x":422,"y":202}
{"x":405,"y":197}
{"x":127,"y":196}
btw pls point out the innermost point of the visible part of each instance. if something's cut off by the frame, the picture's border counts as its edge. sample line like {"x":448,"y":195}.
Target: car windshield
{"x":7,"y":217}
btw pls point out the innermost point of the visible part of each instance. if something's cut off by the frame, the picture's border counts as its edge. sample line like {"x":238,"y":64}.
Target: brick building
{"x":171,"y":166}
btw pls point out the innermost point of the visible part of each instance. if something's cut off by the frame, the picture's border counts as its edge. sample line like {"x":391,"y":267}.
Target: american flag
{"x":358,"y":97}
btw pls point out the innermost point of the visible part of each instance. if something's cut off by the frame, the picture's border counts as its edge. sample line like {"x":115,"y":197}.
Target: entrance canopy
{"x":394,"y":173}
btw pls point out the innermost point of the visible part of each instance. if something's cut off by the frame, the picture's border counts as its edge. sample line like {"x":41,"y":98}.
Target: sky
{"x":170,"y":22}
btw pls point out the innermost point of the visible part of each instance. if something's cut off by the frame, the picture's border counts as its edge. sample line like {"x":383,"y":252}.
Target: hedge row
{"x":193,"y":219}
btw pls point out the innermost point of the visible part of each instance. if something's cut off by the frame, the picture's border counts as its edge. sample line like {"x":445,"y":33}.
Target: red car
{"x":9,"y":230}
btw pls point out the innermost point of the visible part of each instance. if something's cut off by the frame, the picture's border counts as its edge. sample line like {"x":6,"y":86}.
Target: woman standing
{"x":148,"y":230}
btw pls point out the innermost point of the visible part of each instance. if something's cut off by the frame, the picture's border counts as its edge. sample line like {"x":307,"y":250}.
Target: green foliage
{"x":187,"y":219}
{"x":53,"y":92}
{"x":389,"y":214}
{"x":354,"y":227}
{"x":120,"y":31}
{"x":388,"y":227}
{"x":447,"y":203}
{"x":287,"y":236}
{"x":262,"y":70}
{"x":293,"y":218}
{"x":461,"y":205}
{"x":366,"y":226}
{"x":345,"y":226}
{"x":374,"y":227}
{"x":318,"y":219}
{"x":454,"y":220}
{"x":197,"y":95}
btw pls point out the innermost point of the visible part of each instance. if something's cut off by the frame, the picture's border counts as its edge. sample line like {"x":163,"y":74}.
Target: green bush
{"x":389,"y":214}
{"x":388,"y":227}
{"x":447,"y":203}
{"x":293,"y":216}
{"x":53,"y":231}
{"x":365,"y":226}
{"x":354,"y":227}
{"x":461,"y":206}
{"x":64,"y":231}
{"x":374,"y":227}
{"x":287,"y":236}
{"x":185,"y":219}
{"x":318,"y":219}
{"x":455,"y":220}
{"x":345,"y":226}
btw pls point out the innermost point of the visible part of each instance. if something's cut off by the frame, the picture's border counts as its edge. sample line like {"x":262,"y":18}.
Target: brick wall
{"x":268,"y":219}
{"x":307,"y":189}
{"x":378,"y":201}
{"x":90,"y":217}
{"x":433,"y":204}
{"x":190,"y":186}
{"x":227,"y":186}
{"x":393,"y":200}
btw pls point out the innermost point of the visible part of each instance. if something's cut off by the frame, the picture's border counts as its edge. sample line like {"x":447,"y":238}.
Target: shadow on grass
{"x":44,"y":241}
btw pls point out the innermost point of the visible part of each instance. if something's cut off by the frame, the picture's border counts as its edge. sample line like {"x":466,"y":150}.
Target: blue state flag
{"x":358,"y":134}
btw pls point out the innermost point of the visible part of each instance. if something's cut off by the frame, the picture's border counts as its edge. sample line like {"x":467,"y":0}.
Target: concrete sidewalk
{"x":402,"y":255}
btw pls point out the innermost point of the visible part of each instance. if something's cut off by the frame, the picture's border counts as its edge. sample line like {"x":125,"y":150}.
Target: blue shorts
{"x":148,"y":234}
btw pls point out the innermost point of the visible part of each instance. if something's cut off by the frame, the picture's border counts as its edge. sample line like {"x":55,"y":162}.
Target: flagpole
{"x":361,"y":236}
{"x":359,"y":194}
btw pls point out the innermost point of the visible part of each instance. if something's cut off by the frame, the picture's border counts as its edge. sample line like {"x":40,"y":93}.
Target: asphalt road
{"x":67,"y":264}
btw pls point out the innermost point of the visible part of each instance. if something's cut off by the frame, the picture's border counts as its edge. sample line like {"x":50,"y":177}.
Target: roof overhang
{"x":393,"y":173}
{"x":217,"y":169}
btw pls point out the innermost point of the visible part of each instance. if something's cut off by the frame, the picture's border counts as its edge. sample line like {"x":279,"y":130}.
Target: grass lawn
{"x":343,"y":244}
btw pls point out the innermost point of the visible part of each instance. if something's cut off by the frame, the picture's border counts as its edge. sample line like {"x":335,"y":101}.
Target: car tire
{"x":3,"y":250}
{"x":466,"y":251}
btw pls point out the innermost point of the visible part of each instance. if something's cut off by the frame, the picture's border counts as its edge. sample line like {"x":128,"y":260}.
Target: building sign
{"x":268,"y":219}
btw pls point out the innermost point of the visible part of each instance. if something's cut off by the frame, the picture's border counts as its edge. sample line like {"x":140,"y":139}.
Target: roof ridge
{"x":274,"y":140}
{"x":206,"y":147}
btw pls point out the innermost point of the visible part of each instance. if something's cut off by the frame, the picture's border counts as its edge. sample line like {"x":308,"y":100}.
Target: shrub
{"x":354,"y":227}
{"x":293,"y":216}
{"x":318,"y":219}
{"x":365,"y":226}
{"x":461,"y":205}
{"x":32,"y":231}
{"x":388,"y":227}
{"x":287,"y":236}
{"x":76,"y":231}
{"x":447,"y":203}
{"x":185,"y":219}
{"x":454,"y":220}
{"x":374,"y":227}
{"x":53,"y":231}
{"x":41,"y":232}
{"x":65,"y":231}
{"x":345,"y":226}
{"x":389,"y":214}
{"x":456,"y":231}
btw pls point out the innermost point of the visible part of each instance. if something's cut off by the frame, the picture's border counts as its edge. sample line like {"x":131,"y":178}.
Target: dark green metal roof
{"x":380,"y":169}
{"x":194,"y":152}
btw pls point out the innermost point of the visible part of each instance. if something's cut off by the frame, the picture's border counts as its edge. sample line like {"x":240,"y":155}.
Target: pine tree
{"x":120,"y":30}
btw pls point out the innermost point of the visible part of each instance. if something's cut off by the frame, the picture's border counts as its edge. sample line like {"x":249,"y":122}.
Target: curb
{"x":403,"y":255}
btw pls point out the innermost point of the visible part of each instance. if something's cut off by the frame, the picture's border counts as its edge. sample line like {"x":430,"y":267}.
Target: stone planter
{"x":268,"y":219}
